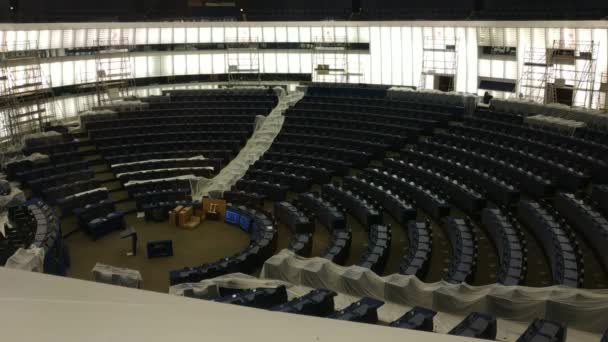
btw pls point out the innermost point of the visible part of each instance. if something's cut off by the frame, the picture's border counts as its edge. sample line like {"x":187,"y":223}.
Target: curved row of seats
{"x":562,"y":175}
{"x":222,"y":115}
{"x":383,"y":138}
{"x":464,"y":251}
{"x":425,"y":110}
{"x":177,"y":103}
{"x":418,"y":258}
{"x":586,"y":220}
{"x":272,"y":190}
{"x":321,"y":161}
{"x":376,"y":254}
{"x":557,"y":241}
{"x":421,"y":197}
{"x":166,"y":191}
{"x":410,"y":126}
{"x":529,"y":181}
{"x":35,"y":224}
{"x":510,"y":244}
{"x":367,"y":107}
{"x":262,"y":245}
{"x":563,"y":167}
{"x":79,"y":200}
{"x":156,"y":145}
{"x":108,"y":135}
{"x":457,"y":192}
{"x":34,"y":172}
{"x":370,"y":148}
{"x":51,"y":179}
{"x":400,"y":209}
{"x":108,"y":145}
{"x":325,"y":212}
{"x":597,"y":168}
{"x":496,"y":189}
{"x":222,"y":95}
{"x":583,"y":146}
{"x":351,"y":203}
{"x":330,"y":216}
{"x":338,"y":248}
{"x":293,"y":182}
{"x":599,"y":196}
{"x":319,"y":175}
{"x":296,"y":220}
{"x":300,"y":226}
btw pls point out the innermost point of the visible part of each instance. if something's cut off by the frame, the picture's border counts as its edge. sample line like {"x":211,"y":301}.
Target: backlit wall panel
{"x":395,"y":56}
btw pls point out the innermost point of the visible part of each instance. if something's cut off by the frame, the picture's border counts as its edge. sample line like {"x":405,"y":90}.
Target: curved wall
{"x":395,"y":55}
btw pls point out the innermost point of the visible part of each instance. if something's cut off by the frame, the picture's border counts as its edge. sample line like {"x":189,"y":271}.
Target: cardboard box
{"x":173,"y":215}
{"x":193,"y":223}
{"x":220,"y":206}
{"x":184,"y":216}
{"x":198,"y":211}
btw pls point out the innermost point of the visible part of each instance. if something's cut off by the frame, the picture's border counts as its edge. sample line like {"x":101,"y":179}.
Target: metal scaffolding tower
{"x":112,"y":79}
{"x":537,"y":72}
{"x":439,"y":62}
{"x":602,"y":100}
{"x":568,"y":66}
{"x":25,"y":94}
{"x":330,"y":61}
{"x":243,"y":59}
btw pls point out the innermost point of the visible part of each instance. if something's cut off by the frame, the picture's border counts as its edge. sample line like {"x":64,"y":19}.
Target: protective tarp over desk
{"x":583,"y":310}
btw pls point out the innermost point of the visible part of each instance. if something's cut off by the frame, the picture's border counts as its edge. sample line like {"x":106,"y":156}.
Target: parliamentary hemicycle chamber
{"x":440,"y":179}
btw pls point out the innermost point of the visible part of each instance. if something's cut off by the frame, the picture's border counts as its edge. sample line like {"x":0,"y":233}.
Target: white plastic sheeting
{"x":188,"y":177}
{"x":266,"y":130}
{"x":585,"y":311}
{"x":116,"y":276}
{"x":143,"y":172}
{"x":159,"y":160}
{"x":31,"y":259}
{"x":529,"y":108}
{"x":42,"y":138}
{"x":16,"y":197}
{"x":554,"y":123}
{"x":209,"y":289}
{"x":96,"y":115}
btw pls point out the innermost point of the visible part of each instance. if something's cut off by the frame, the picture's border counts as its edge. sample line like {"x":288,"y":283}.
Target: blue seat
{"x":325,"y":212}
{"x":363,"y":311}
{"x":261,"y":298}
{"x":542,"y":330}
{"x":104,"y":225}
{"x":416,"y":319}
{"x":509,"y":244}
{"x":477,"y":325}
{"x":363,"y":211}
{"x":319,"y":303}
{"x":417,"y":260}
{"x":464,"y":251}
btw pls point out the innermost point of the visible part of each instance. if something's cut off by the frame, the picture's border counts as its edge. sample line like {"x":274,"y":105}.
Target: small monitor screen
{"x":232,"y":217}
{"x":245,"y":222}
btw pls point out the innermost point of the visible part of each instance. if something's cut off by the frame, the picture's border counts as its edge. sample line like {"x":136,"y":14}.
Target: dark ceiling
{"x":277,"y":10}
